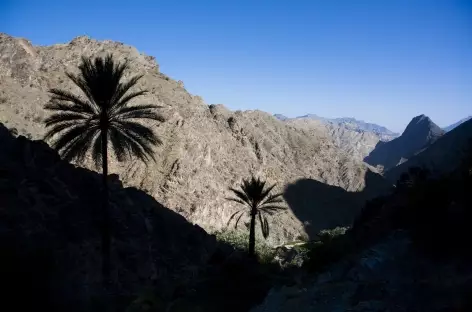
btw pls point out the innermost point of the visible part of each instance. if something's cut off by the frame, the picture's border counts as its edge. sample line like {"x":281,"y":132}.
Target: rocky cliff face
{"x":206,"y":148}
{"x":352,"y":141}
{"x":420,"y":133}
{"x":354,"y":125}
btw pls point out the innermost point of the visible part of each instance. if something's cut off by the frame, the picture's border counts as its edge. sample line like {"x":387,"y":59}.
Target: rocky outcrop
{"x":420,"y":133}
{"x":206,"y":148}
{"x":354,"y":137}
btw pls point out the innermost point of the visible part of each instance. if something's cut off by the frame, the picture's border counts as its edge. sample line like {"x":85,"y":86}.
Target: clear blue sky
{"x":382,"y":61}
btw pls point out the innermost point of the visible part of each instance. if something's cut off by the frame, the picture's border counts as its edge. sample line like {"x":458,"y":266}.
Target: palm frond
{"x":241,"y":195}
{"x":138,"y":112}
{"x":237,"y":200}
{"x":66,"y":107}
{"x":137,"y":145}
{"x":63,"y":117}
{"x":266,"y":192}
{"x":121,"y":99}
{"x":78,"y":147}
{"x":83,"y":86}
{"x":97,"y":150}
{"x":140,"y":133}
{"x":237,"y":220}
{"x":56,"y":129}
{"x":119,"y":144}
{"x":140,"y":130}
{"x":66,"y":96}
{"x":264,"y":226}
{"x":233,"y":215}
{"x":69,"y":135}
{"x":272,"y":209}
{"x":273,"y":199}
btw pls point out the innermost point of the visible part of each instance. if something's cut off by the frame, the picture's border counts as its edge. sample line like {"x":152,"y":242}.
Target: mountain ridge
{"x":420,"y":133}
{"x":456,"y":124}
{"x":442,"y":156}
{"x":350,"y":122}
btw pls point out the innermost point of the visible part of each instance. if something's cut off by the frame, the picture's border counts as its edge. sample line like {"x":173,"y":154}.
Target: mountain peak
{"x":420,"y":133}
{"x":424,"y":126}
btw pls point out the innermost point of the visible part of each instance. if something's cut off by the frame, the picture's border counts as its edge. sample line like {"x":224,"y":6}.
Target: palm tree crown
{"x":102,"y":112}
{"x":257,"y":201}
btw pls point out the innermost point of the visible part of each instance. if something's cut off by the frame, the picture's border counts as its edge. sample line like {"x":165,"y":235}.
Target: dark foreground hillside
{"x":50,"y":244}
{"x":407,"y":251}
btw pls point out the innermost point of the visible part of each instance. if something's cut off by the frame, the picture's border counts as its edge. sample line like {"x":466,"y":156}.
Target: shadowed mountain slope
{"x":442,"y":156}
{"x":50,"y":242}
{"x":320,"y":206}
{"x":456,"y":124}
{"x":420,"y":133}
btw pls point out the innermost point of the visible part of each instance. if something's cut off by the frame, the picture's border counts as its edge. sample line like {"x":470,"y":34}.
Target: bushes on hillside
{"x":239,"y":240}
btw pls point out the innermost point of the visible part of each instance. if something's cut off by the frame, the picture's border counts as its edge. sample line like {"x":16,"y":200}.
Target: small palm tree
{"x":258,"y":203}
{"x":102,"y":114}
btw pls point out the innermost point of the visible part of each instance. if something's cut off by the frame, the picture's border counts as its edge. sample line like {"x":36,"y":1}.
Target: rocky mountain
{"x":206,"y":149}
{"x":440,"y":157}
{"x":346,"y":136}
{"x":281,"y":117}
{"x":420,"y":133}
{"x":350,"y":124}
{"x":456,"y":124}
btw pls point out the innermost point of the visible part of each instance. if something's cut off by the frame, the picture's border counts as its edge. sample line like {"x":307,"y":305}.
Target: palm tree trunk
{"x":105,"y":230}
{"x":252,"y":234}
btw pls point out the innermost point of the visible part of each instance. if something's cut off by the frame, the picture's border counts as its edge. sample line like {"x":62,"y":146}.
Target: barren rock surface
{"x":206,"y":149}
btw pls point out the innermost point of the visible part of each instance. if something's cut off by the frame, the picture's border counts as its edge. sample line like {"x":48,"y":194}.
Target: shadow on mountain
{"x":442,"y":156}
{"x":420,"y":133}
{"x":321,"y":206}
{"x":50,"y":241}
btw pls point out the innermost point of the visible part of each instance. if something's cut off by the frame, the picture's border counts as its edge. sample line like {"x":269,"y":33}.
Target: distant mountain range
{"x":360,"y":125}
{"x":454,"y":125}
{"x":349,"y":123}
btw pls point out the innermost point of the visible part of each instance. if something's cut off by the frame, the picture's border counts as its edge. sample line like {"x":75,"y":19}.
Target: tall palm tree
{"x":258,"y":203}
{"x":83,"y":123}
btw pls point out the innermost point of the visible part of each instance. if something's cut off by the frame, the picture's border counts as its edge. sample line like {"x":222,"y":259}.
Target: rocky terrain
{"x":354,"y":137}
{"x":356,"y":144}
{"x":355,"y":125}
{"x":206,"y":149}
{"x":420,"y":133}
